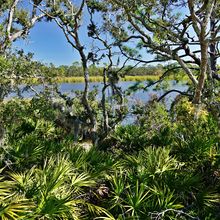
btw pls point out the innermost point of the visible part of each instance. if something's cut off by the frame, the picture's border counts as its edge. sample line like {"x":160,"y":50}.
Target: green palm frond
{"x":13,"y":205}
{"x":61,"y":189}
{"x":160,"y":161}
{"x":212,"y":199}
{"x":16,"y":209}
{"x":81,"y":180}
{"x":77,"y":155}
{"x":99,"y":211}
{"x":5,"y":189}
{"x":118,"y":187}
{"x":64,"y":208}
{"x":136,"y":198}
{"x":23,"y":179}
{"x":55,"y":172}
{"x":163,"y":198}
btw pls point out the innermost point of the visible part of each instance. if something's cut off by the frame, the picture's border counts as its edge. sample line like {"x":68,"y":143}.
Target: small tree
{"x":107,"y":48}
{"x":68,"y":17}
{"x":16,"y":21}
{"x":183,"y":31}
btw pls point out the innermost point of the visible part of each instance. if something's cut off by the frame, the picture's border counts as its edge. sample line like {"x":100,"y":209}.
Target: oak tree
{"x":182,"y":31}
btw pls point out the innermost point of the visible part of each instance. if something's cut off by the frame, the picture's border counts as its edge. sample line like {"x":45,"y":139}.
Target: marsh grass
{"x":100,"y":78}
{"x":80,"y":79}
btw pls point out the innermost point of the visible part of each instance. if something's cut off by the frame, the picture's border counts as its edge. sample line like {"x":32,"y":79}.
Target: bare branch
{"x":194,"y":17}
{"x":173,"y":90}
{"x":187,"y":70}
{"x":10,"y":17}
{"x":160,"y":215}
{"x":162,"y":76}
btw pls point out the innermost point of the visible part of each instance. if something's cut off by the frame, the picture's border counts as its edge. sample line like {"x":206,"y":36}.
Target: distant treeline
{"x":76,"y":70}
{"x":22,"y":65}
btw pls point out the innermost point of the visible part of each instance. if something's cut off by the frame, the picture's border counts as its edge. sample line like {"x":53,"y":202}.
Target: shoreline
{"x":77,"y":79}
{"x":80,"y":79}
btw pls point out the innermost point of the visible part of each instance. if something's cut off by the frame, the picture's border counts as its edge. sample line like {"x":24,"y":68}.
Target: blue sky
{"x":49,"y":45}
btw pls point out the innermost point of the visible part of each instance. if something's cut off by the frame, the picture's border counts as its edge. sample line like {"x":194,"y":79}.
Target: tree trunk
{"x":104,"y":112}
{"x":203,"y":67}
{"x":213,"y":47}
{"x":86,"y":103}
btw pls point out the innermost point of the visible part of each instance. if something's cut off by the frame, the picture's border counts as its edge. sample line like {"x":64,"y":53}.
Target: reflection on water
{"x":140,"y":95}
{"x":134,"y":98}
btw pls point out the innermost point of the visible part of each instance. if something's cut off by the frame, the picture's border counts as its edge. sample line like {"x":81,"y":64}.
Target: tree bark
{"x":204,"y":44}
{"x":104,"y":111}
{"x":85,"y":102}
{"x":203,"y":68}
{"x":213,"y":46}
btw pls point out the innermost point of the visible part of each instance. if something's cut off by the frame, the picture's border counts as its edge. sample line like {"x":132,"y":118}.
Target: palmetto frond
{"x":159,"y":161}
{"x":5,"y":189}
{"x":97,"y":163}
{"x":136,"y":198}
{"x":23,"y":181}
{"x":56,"y":208}
{"x":78,"y":181}
{"x":13,"y":206}
{"x":99,"y":211}
{"x":18,"y":208}
{"x":162,"y":198}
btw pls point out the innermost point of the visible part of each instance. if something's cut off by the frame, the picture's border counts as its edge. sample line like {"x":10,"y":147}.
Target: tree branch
{"x":160,"y":215}
{"x":173,"y":90}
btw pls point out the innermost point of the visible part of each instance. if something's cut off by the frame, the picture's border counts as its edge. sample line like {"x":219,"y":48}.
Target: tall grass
{"x":76,"y":79}
{"x":140,"y":78}
{"x":80,"y":79}
{"x":100,"y":78}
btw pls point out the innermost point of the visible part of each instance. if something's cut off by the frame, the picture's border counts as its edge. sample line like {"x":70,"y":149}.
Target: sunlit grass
{"x":76,"y":79}
{"x":80,"y":79}
{"x":140,"y":78}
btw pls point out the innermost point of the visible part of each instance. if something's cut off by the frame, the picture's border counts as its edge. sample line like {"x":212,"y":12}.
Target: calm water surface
{"x":140,"y":95}
{"x":136,"y":97}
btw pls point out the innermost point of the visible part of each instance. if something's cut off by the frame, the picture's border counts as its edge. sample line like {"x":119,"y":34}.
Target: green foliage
{"x":180,"y":175}
{"x":129,"y":138}
{"x":165,"y":164}
{"x":50,"y":192}
{"x":192,"y":123}
{"x":137,"y":188}
{"x":153,"y":127}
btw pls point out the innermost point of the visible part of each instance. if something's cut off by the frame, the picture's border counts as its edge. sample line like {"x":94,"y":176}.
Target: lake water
{"x":140,"y":95}
{"x":136,"y":97}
